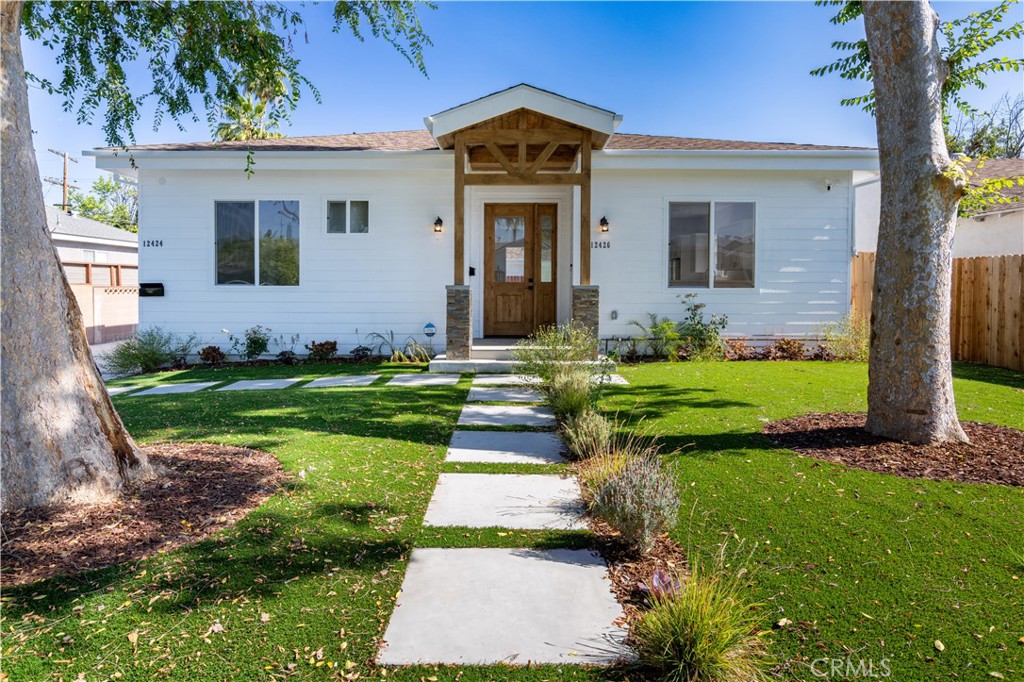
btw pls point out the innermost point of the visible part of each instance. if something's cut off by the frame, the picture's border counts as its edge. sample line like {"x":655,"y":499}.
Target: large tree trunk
{"x":910,"y":389}
{"x":60,"y":439}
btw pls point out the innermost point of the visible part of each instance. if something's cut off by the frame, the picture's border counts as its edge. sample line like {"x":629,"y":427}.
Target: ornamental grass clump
{"x":550,"y":349}
{"x":587,"y":435}
{"x":570,"y":392}
{"x":641,"y":501}
{"x":848,"y":339}
{"x":704,"y":631}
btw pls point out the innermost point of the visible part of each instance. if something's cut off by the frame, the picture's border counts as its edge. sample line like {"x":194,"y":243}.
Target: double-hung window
{"x":257,"y":242}
{"x":711,"y":244}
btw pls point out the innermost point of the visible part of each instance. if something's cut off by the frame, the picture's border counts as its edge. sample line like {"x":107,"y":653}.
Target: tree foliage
{"x":966,"y":40}
{"x":204,"y":50}
{"x":257,"y":113}
{"x":109,"y":201}
{"x":998,"y":133}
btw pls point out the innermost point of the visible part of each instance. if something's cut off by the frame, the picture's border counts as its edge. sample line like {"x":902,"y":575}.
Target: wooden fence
{"x":987,"y":318}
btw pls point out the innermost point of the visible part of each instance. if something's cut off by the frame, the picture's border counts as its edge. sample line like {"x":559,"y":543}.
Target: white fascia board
{"x":522,"y":97}
{"x":676,"y":159}
{"x":65,"y":237}
{"x":422,"y":160}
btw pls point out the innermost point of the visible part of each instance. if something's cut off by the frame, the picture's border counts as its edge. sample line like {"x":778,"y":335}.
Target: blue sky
{"x":733,"y":70}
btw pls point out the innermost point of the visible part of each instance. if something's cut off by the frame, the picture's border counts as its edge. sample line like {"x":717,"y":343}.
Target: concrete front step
{"x":442,"y":365}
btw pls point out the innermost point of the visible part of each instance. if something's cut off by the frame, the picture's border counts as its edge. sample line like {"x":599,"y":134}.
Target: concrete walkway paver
{"x":503,"y":394}
{"x":506,"y":415}
{"x":350,"y":380}
{"x":424,"y":380}
{"x":505,"y":447}
{"x":166,"y":389}
{"x":524,"y":501}
{"x":505,"y":380}
{"x":517,"y":606}
{"x":118,"y":390}
{"x":259,"y":385}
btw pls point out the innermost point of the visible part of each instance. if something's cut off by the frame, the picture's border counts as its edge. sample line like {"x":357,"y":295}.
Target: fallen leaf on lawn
{"x":133,"y":637}
{"x":264,"y":617}
{"x":1020,"y":641}
{"x":998,"y":676}
{"x":783,"y":622}
{"x":939,"y":646}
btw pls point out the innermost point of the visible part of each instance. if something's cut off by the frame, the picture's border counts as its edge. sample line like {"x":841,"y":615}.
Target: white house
{"x":996,"y":231}
{"x":517,"y":209}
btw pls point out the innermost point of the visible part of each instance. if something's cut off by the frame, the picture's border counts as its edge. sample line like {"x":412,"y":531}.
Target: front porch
{"x":522,"y":164}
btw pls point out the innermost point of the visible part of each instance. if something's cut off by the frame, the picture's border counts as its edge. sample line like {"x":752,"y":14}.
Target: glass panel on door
{"x":509,"y":249}
{"x":546,"y":252}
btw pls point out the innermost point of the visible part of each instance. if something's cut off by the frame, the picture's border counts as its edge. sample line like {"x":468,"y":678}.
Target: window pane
{"x":734,"y":244}
{"x":360,"y":217}
{"x":509,"y":252}
{"x":279,"y":243}
{"x":236,"y":242}
{"x":336,"y":217}
{"x":689,"y":238}
{"x":545,"y":249}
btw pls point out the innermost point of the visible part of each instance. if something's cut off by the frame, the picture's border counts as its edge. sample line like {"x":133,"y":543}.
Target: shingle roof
{"x":420,"y":140}
{"x":61,"y":223}
{"x":992,"y":169}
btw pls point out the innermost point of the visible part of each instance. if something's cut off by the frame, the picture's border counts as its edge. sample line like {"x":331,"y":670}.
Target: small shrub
{"x":415,"y":351}
{"x":661,"y":336}
{"x":361,"y":353}
{"x":595,"y":471}
{"x":254,"y":342}
{"x":570,"y":392}
{"x":705,"y":630}
{"x":587,"y":434}
{"x":149,"y":350}
{"x":322,"y":351}
{"x":551,"y":348}
{"x":212,"y":355}
{"x":823,"y":353}
{"x":737,"y":350}
{"x":784,"y":349}
{"x":640,"y":502}
{"x":701,"y":337}
{"x":288,"y":357}
{"x":849,"y":339}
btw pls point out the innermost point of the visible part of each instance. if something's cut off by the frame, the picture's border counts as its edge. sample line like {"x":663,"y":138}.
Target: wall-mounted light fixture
{"x":438,"y":224}
{"x":429,"y":329}
{"x":828,"y":185}
{"x":604,"y":223}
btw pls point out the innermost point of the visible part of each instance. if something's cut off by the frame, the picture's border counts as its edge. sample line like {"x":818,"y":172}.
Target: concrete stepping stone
{"x":424,"y":380}
{"x":523,"y":501}
{"x":505,"y":447}
{"x":352,"y":380}
{"x":515,"y":606}
{"x":505,"y":380}
{"x":503,"y":394}
{"x":259,"y":385}
{"x":615,"y":380}
{"x":506,"y":415}
{"x":118,"y":390}
{"x":165,"y":389}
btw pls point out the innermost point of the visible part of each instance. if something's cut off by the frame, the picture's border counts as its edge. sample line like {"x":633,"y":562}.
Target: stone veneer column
{"x":585,"y":310}
{"x":459,"y":324}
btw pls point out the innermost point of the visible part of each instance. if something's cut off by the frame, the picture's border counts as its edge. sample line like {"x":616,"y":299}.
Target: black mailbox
{"x":151,"y":289}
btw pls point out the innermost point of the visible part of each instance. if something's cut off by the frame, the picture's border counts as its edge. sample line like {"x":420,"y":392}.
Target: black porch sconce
{"x":438,"y":224}
{"x":604,"y":223}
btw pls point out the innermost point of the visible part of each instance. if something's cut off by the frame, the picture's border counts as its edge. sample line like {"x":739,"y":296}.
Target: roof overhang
{"x":522,"y":96}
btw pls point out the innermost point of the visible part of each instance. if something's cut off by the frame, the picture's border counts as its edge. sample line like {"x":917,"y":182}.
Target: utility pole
{"x":64,"y":182}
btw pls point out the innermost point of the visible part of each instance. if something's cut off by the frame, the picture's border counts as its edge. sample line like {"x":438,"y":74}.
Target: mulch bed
{"x":994,"y":455}
{"x":627,"y":569}
{"x":205,"y":488}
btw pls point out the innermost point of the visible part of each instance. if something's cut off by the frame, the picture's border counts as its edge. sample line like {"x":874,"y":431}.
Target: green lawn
{"x":864,"y":557}
{"x":870,"y":565}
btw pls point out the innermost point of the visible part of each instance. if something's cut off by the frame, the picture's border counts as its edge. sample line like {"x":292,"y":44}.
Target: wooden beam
{"x":529,"y":136}
{"x":585,"y":210}
{"x":460,"y":210}
{"x":502,"y":159}
{"x":497,"y":179}
{"x":539,"y":162}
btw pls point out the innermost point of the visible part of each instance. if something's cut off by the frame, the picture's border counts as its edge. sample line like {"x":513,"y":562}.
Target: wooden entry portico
{"x":545,"y":140}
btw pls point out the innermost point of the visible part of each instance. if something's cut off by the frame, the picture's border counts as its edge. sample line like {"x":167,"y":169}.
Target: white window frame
{"x":256,"y":246}
{"x":712,"y":243}
{"x":348,"y":215}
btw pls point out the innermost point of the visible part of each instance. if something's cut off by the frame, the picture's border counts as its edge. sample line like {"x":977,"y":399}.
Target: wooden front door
{"x":520,"y":247}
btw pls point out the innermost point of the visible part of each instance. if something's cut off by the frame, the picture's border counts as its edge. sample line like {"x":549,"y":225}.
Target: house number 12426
{"x":600,"y":245}
{"x":152,"y":242}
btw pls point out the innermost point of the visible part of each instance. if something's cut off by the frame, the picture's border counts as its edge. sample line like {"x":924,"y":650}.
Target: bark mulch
{"x":994,"y":455}
{"x":205,"y":488}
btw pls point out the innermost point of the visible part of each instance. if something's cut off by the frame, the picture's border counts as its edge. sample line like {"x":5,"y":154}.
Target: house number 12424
{"x":600,"y":245}
{"x":152,"y":242}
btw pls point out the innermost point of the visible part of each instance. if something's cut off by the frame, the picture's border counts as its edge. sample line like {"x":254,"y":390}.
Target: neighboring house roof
{"x":62,"y":224}
{"x":421,"y":140}
{"x":992,"y":169}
